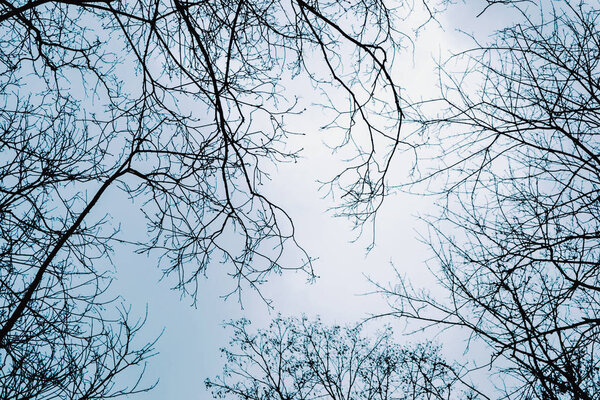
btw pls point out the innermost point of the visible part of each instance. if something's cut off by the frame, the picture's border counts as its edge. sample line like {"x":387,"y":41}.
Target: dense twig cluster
{"x":302,"y":359}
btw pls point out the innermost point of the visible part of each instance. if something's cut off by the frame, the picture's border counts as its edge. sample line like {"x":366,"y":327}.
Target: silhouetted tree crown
{"x":517,"y":243}
{"x":306,"y":359}
{"x":182,"y":106}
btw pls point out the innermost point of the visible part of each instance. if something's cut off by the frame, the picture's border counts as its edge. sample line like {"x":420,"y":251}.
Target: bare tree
{"x":302,"y":359}
{"x":517,"y":246}
{"x":182,"y":105}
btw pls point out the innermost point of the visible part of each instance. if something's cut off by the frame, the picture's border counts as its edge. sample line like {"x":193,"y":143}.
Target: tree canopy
{"x":304,"y":359}
{"x":184,"y":108}
{"x":516,"y":242}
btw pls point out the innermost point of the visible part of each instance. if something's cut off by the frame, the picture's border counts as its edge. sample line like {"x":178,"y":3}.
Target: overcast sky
{"x":189,"y":347}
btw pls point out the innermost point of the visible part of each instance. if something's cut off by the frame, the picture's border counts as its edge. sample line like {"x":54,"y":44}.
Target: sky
{"x":188,"y":349}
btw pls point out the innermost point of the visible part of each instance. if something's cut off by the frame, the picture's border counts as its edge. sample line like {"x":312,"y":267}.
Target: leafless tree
{"x":517,"y":245}
{"x":302,"y":359}
{"x":181,"y":105}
